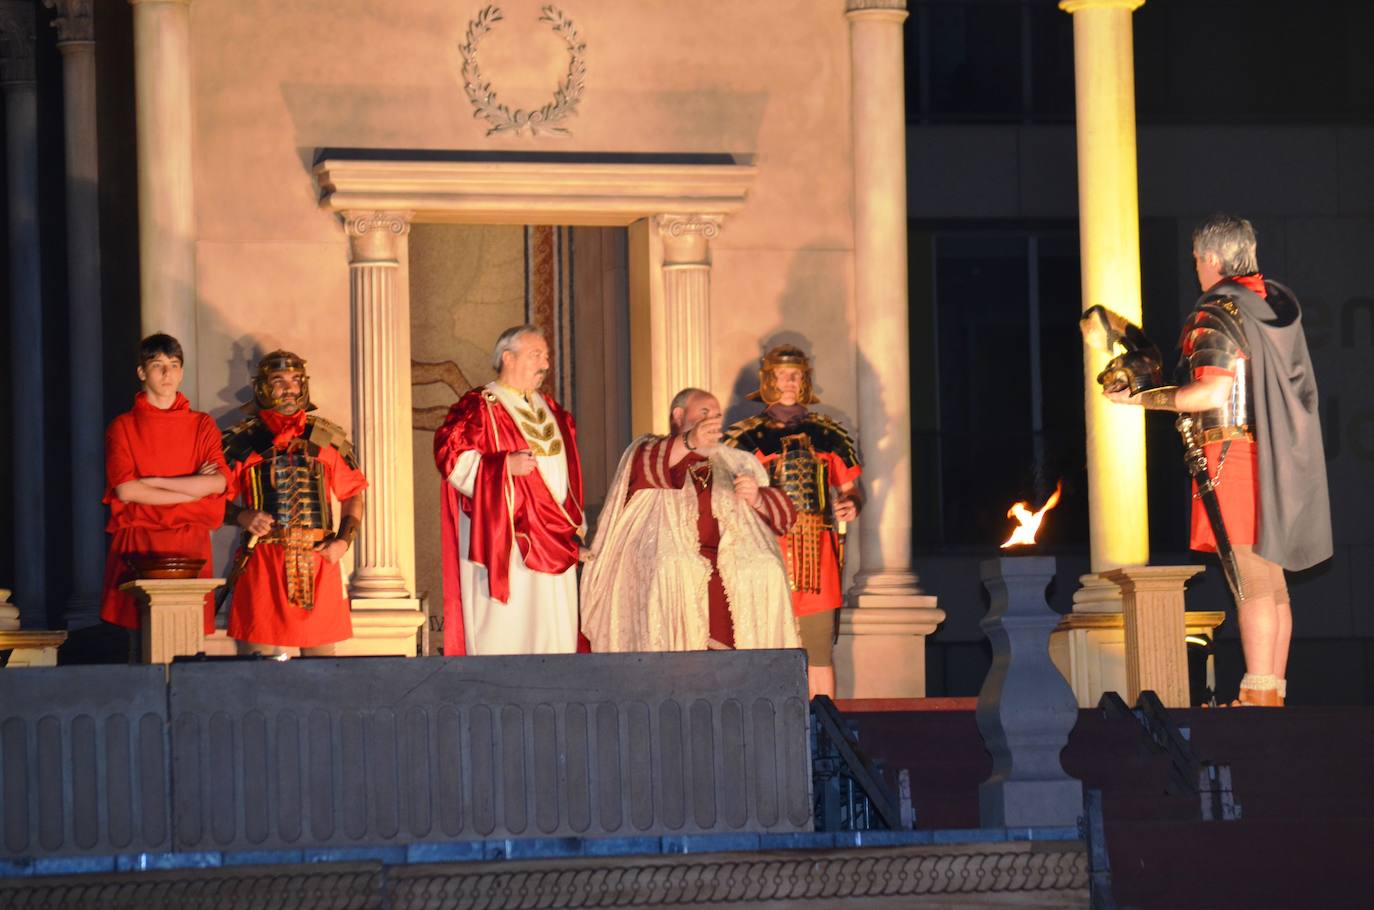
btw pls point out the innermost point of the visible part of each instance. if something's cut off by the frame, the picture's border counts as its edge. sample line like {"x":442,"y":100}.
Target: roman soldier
{"x":812,"y":458}
{"x":287,"y":464}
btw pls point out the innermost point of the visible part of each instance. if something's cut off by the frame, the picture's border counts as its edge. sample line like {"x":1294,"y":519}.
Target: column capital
{"x":889,"y":10}
{"x":372,"y":235}
{"x":686,"y":237}
{"x":1073,"y":6}
{"x":16,"y":42}
{"x":75,"y":21}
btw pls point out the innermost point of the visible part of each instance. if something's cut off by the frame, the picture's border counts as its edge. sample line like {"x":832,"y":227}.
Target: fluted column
{"x":687,"y":298}
{"x":382,"y":441}
{"x":880,"y":268}
{"x":26,"y":309}
{"x":881,"y":647}
{"x":1109,"y":238}
{"x":166,"y":211}
{"x":76,"y":41}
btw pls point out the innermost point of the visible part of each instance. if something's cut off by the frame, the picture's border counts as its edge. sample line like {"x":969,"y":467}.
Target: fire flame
{"x":1028,"y":522}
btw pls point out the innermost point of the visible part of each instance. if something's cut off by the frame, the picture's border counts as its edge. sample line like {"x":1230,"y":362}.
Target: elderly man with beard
{"x":511,"y":510}
{"x":286,"y":465}
{"x":686,"y":554}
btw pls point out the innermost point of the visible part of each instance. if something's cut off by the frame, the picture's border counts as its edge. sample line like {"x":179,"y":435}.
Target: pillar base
{"x":83,"y":611}
{"x":172,"y":614}
{"x":383,"y":628}
{"x":1096,"y":595}
{"x":1029,"y":803}
{"x":881,"y":652}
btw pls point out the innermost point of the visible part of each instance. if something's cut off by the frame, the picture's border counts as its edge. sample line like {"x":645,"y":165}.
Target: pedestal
{"x":1154,"y":626}
{"x":172,"y":615}
{"x":1025,"y":709}
{"x":881,"y":652}
{"x":31,"y":649}
{"x":1090,"y":650}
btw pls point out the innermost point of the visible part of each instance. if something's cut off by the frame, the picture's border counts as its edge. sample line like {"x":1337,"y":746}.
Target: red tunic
{"x":502,"y":507}
{"x":261,"y":611}
{"x":830,"y":596}
{"x":775,"y":509}
{"x":1238,"y":486}
{"x":147,"y":441}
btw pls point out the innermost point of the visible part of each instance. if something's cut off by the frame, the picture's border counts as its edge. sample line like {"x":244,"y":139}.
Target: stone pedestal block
{"x":1155,"y":628}
{"x":1026,"y":709}
{"x":171,"y":610}
{"x":881,"y":652}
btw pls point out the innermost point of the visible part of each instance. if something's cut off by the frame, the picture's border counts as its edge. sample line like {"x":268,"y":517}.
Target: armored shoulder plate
{"x":1214,"y":335}
{"x":244,"y":438}
{"x":323,"y":433}
{"x":831,"y":436}
{"x":745,"y":434}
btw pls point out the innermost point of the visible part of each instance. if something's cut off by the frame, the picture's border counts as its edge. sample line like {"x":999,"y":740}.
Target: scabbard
{"x":240,"y":563}
{"x":1196,"y":460}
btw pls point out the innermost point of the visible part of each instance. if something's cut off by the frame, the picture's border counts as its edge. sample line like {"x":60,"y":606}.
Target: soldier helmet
{"x":275,"y":362}
{"x":784,"y":355}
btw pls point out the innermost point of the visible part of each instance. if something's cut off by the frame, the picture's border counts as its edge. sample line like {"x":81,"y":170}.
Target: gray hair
{"x":509,"y":338}
{"x":681,"y":400}
{"x":1231,"y":239}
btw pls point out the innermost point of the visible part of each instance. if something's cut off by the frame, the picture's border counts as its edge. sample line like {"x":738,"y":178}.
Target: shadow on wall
{"x":237,"y":390}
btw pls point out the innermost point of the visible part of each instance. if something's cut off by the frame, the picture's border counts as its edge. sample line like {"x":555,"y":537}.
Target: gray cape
{"x":1295,"y":507}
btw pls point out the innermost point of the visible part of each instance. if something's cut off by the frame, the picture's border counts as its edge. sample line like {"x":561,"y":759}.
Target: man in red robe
{"x":686,"y":554}
{"x":511,"y":510}
{"x":165,"y":480}
{"x":807,"y":455}
{"x":287,"y":464}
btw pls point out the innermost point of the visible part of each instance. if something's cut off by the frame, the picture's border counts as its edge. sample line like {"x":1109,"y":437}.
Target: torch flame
{"x":1028,"y":522}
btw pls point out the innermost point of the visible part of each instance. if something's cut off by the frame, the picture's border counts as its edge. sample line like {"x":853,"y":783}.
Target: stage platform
{"x":579,"y":780}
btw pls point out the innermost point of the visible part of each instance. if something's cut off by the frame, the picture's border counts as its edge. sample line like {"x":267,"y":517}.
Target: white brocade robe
{"x":540,"y":617}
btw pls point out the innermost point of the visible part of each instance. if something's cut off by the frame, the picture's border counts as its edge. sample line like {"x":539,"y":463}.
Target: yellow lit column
{"x":1109,"y":231}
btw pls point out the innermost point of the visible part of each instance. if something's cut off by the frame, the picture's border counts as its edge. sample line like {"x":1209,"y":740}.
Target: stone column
{"x":1109,"y":237}
{"x":166,"y":212}
{"x":687,"y":298}
{"x":885,"y":579}
{"x":76,"y":41}
{"x":26,"y":309}
{"x":381,"y":430}
{"x":1155,"y":625}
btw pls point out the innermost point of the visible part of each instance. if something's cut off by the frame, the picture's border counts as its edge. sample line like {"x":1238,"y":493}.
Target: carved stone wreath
{"x":543,"y":121}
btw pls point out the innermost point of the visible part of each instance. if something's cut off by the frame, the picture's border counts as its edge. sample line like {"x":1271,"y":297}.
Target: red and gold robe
{"x":147,"y":441}
{"x":506,"y":517}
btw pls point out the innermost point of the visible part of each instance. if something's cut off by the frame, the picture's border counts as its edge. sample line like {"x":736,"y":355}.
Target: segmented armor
{"x":805,"y":477}
{"x":1214,"y":336}
{"x":290,"y":485}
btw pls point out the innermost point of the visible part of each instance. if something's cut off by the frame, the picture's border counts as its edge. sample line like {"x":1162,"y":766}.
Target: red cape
{"x":502,"y":507}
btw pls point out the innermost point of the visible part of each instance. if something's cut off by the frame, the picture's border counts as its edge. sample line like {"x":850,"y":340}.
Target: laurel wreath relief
{"x":541,"y":122}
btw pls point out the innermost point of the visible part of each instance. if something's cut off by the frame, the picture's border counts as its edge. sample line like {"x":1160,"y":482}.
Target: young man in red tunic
{"x":511,"y":510}
{"x":1246,"y":378}
{"x":165,"y":480}
{"x":686,"y":554}
{"x":807,"y":455}
{"x":287,"y":465}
